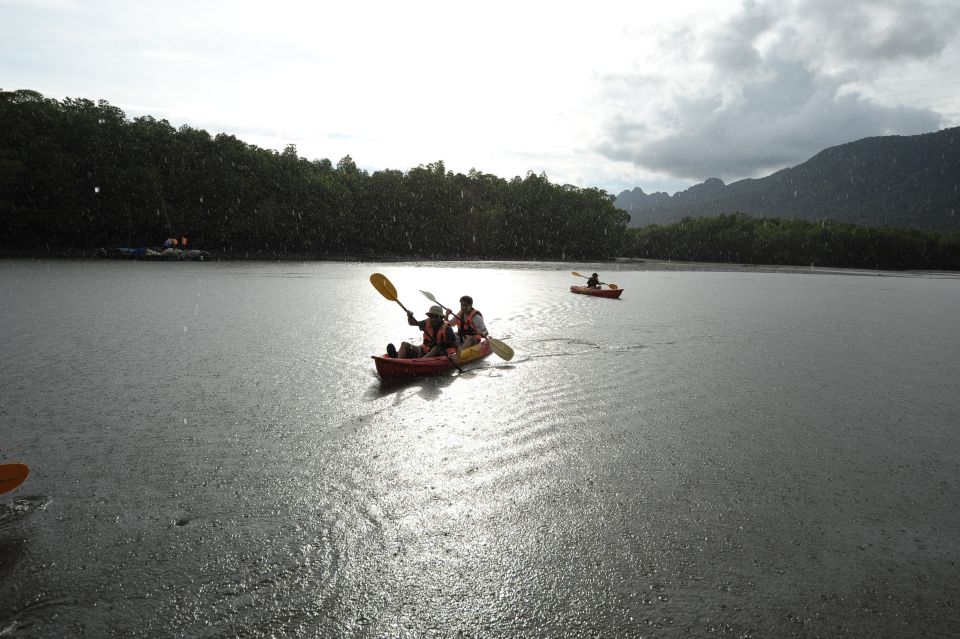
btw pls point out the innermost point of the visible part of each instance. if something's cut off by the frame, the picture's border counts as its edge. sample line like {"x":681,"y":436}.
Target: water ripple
{"x":22,"y":508}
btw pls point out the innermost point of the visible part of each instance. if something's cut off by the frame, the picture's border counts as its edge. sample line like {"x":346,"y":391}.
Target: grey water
{"x":719,"y":453}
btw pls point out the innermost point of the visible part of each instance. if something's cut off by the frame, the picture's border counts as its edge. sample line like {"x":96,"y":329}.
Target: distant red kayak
{"x":390,"y":367}
{"x":599,"y":292}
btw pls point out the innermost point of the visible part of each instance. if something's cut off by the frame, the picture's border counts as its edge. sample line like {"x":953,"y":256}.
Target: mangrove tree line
{"x":738,"y":238}
{"x":75,"y":174}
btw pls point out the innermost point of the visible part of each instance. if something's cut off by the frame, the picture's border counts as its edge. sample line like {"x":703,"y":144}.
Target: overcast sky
{"x":599,"y":94}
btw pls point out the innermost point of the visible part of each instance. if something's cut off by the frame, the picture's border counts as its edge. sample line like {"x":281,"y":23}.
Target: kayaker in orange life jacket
{"x":469,"y":322}
{"x":438,"y":338}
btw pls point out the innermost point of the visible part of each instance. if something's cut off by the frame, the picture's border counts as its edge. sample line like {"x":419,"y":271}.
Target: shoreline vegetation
{"x":78,"y":177}
{"x":740,"y":239}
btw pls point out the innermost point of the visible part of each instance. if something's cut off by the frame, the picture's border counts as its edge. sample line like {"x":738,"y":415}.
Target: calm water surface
{"x":717,"y":454}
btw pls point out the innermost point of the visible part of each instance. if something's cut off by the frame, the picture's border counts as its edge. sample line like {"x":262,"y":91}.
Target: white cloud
{"x":782,"y":82}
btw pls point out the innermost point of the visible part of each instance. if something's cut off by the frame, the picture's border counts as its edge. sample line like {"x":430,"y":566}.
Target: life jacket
{"x":433,"y":337}
{"x":465,"y":325}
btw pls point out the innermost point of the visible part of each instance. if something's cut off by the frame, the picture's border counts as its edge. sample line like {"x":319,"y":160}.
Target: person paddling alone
{"x":593,"y":281}
{"x":438,"y":338}
{"x":469,"y":323}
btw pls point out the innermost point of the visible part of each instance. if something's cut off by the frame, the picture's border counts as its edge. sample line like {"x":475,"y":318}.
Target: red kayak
{"x":390,"y":367}
{"x":599,"y":292}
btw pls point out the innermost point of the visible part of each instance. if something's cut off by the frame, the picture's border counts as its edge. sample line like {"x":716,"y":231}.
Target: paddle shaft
{"x":585,"y":277}
{"x":452,"y":361}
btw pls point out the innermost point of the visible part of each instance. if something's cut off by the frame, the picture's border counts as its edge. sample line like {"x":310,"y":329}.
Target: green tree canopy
{"x":80,"y":175}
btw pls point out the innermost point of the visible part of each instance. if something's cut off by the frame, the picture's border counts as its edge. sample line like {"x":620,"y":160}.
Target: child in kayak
{"x":469,"y":322}
{"x":593,"y":281}
{"x":438,"y":338}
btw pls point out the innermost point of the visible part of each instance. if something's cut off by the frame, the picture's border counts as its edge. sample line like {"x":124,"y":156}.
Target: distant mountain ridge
{"x":900,"y":181}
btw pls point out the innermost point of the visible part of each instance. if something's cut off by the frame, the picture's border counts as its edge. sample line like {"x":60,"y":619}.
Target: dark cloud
{"x":732,"y":46}
{"x":877,"y":31}
{"x":782,"y":87}
{"x":753,"y":138}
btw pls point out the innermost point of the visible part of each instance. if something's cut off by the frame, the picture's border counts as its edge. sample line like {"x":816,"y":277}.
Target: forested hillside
{"x":75,"y":174}
{"x":900,"y":181}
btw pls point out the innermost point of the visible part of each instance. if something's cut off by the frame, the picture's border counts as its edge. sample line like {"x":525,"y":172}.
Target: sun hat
{"x":435,"y":310}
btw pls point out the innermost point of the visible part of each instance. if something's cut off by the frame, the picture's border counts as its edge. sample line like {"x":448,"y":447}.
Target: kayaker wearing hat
{"x":593,"y":281}
{"x":469,"y":322}
{"x":438,"y":337}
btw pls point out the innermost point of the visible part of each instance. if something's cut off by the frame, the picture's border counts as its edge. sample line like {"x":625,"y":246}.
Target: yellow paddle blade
{"x":577,"y":274}
{"x":382,"y":284}
{"x":613,"y":286}
{"x":503,"y":351}
{"x":12,"y":475}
